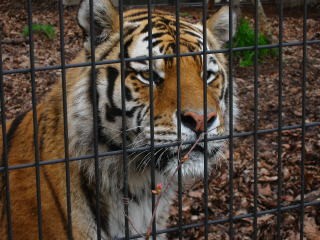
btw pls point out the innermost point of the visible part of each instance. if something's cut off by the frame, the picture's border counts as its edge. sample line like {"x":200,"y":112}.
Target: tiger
{"x":62,"y":161}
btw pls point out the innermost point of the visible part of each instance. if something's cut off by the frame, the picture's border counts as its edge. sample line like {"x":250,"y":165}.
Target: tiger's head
{"x":138,"y":78}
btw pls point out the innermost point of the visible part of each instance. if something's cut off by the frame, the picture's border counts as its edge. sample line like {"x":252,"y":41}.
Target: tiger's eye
{"x":145,"y":75}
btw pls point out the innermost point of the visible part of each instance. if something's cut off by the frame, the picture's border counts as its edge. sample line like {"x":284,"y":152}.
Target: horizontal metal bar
{"x":235,"y":218}
{"x":187,"y":4}
{"x":118,"y":152}
{"x":88,"y":64}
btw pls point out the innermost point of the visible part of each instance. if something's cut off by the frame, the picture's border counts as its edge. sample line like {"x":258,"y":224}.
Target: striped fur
{"x":85,"y":179}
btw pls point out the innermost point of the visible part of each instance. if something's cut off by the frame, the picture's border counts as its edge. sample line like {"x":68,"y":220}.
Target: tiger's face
{"x":157,"y":122}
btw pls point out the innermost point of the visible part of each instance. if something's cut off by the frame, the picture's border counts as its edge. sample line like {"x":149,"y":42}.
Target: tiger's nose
{"x":195,"y":121}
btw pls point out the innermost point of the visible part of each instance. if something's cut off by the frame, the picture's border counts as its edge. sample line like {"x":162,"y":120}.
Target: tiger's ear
{"x":219,"y":23}
{"x":105,"y":20}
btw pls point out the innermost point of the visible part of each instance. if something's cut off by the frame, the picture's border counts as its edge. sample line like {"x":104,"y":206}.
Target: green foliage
{"x":245,"y":37}
{"x":46,"y":29}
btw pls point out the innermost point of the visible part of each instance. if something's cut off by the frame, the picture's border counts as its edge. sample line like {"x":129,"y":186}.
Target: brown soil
{"x":17,"y":87}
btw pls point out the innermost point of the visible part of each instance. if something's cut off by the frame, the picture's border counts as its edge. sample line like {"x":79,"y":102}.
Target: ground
{"x":297,"y":148}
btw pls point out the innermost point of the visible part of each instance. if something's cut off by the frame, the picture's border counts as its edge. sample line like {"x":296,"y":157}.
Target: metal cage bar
{"x":255,"y":122}
{"x":178,"y":67}
{"x":303,"y":118}
{"x":231,"y":119}
{"x":226,"y":50}
{"x":279,"y":140}
{"x":117,"y":152}
{"x":4,"y":156}
{"x":35,"y":119}
{"x":94,"y":93}
{"x":231,"y":218}
{"x":235,"y":218}
{"x":65,"y":119}
{"x":205,"y":116}
{"x":151,"y":117}
{"x":124,"y":123}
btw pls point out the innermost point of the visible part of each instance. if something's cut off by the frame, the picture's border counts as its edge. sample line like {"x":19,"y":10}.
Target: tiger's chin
{"x":193,"y":162}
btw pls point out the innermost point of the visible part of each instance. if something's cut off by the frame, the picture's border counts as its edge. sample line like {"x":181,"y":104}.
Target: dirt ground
{"x":17,"y":87}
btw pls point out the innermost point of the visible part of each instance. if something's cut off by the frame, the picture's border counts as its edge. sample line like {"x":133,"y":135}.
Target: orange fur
{"x":52,"y":176}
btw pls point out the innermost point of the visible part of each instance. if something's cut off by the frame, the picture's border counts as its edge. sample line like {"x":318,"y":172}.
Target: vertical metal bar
{"x":255,"y":129}
{"x":65,"y":117}
{"x":205,"y":106}
{"x":231,"y":146}
{"x":35,"y":121}
{"x":303,"y":120}
{"x":5,"y":157}
{"x":178,"y":114}
{"x":124,"y":123}
{"x":154,"y":229}
{"x":95,"y":116}
{"x":279,"y":160}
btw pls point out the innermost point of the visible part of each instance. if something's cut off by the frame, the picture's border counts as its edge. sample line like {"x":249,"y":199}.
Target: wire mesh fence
{"x":88,"y":166}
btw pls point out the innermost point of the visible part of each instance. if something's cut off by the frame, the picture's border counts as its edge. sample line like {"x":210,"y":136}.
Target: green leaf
{"x":46,"y":29}
{"x":245,"y":37}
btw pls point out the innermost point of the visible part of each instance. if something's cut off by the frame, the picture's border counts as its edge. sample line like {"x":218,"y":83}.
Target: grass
{"x":46,"y":29}
{"x":245,"y":37}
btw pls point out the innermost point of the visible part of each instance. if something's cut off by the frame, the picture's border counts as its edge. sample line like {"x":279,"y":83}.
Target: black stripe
{"x":43,"y":131}
{"x":91,"y":86}
{"x":167,"y":21}
{"x":112,"y":74}
{"x":128,"y":94}
{"x":146,"y":27}
{"x":104,"y":139}
{"x":136,"y":14}
{"x":112,"y":112}
{"x":126,"y":48}
{"x":52,"y":190}
{"x":223,"y":90}
{"x":104,"y":55}
{"x":14,"y":126}
{"x":172,"y":46}
{"x":200,"y":43}
{"x":90,"y":193}
{"x":192,"y":34}
{"x":212,"y":60}
{"x":10,"y":134}
{"x":139,"y":119}
{"x":127,"y":34}
{"x":146,"y":112}
{"x":226,"y":96}
{"x":155,"y":35}
{"x":184,"y":26}
{"x":140,"y":19}
{"x":131,"y":112}
{"x":161,"y":48}
{"x":129,"y":31}
{"x":155,"y":43}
